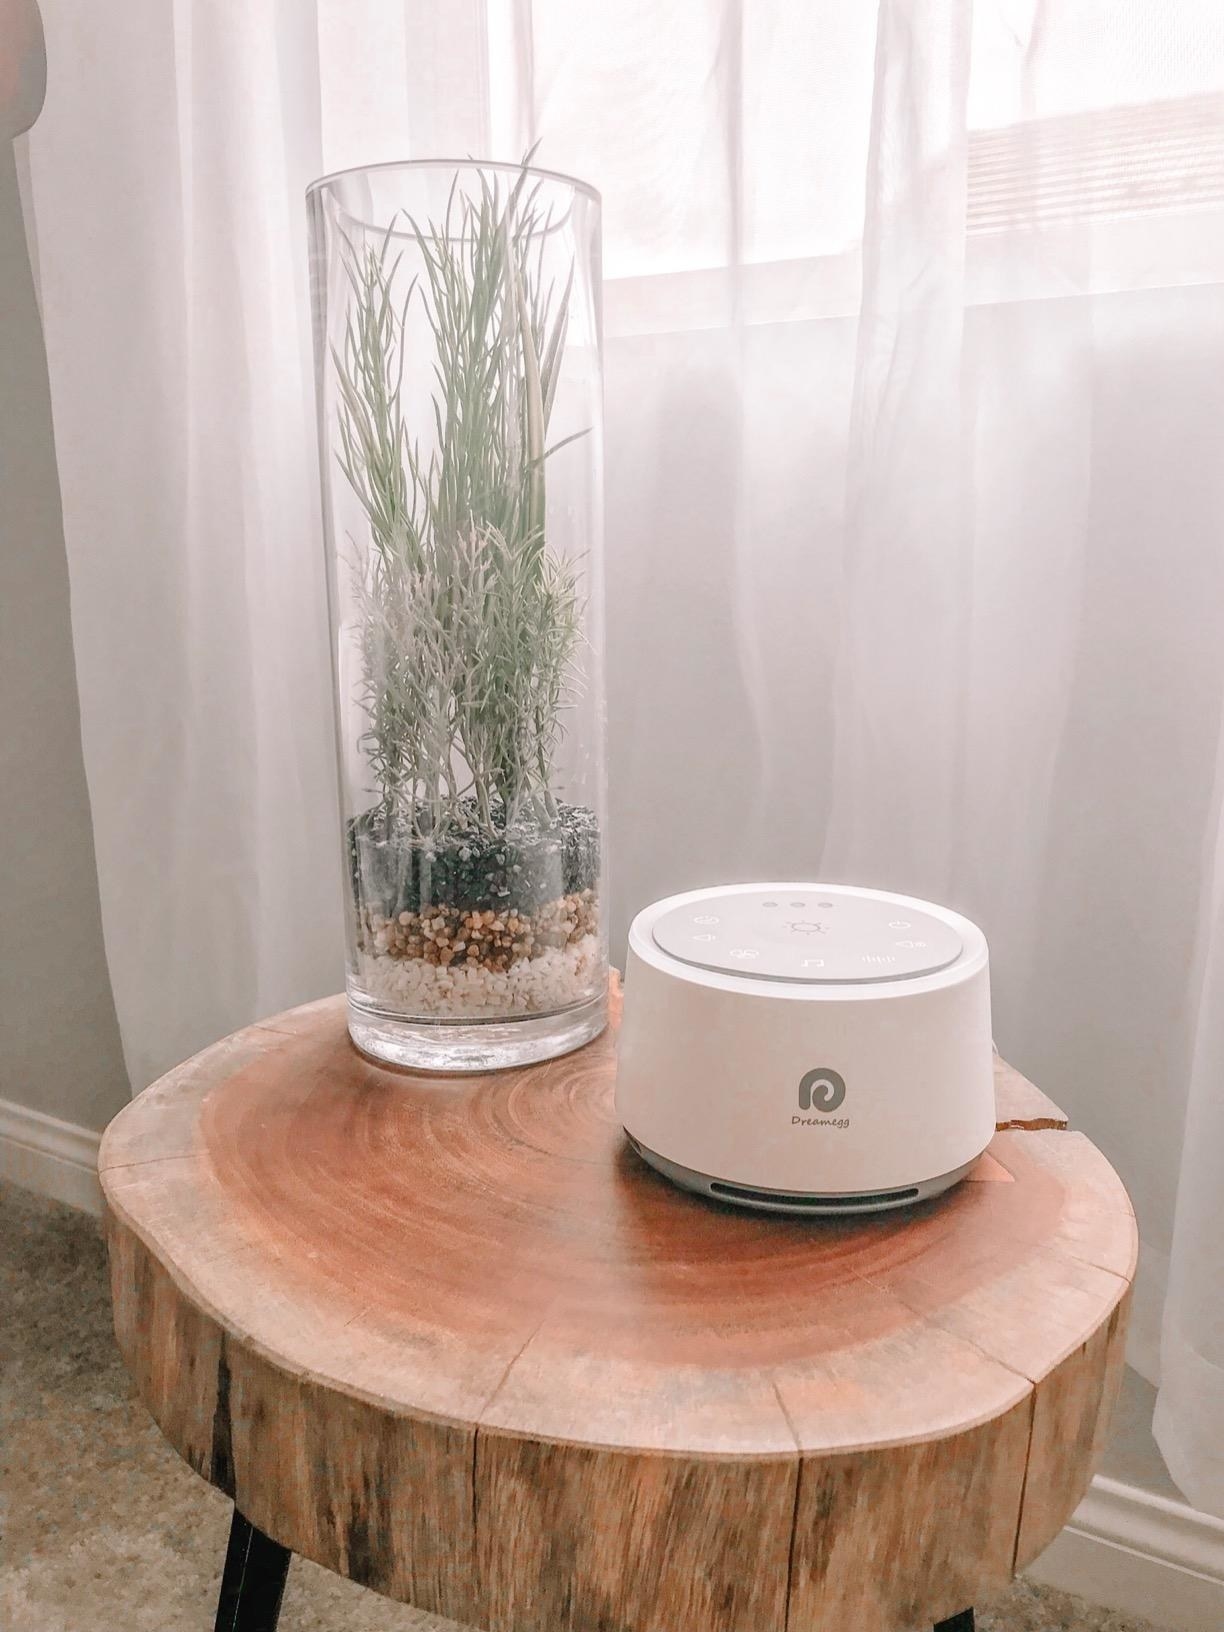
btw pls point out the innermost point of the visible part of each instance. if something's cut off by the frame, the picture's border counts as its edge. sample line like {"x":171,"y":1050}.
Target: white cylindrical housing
{"x":856,"y":1062}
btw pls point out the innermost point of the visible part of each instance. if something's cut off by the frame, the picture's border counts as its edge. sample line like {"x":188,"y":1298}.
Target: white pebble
{"x":555,"y":979}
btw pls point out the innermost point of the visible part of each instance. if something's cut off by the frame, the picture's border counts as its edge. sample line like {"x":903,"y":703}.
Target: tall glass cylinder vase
{"x":459,"y":376}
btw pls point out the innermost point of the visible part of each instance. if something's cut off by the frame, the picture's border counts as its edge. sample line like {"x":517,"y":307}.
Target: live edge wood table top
{"x":450,"y":1337}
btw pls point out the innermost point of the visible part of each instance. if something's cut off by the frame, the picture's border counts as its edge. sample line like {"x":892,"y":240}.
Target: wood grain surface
{"x":450,"y":1337}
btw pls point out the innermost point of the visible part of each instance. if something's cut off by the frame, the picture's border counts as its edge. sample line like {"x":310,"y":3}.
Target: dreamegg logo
{"x":821,"y":1090}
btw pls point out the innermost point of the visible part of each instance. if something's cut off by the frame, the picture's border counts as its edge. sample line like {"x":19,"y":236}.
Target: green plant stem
{"x":469,"y":622}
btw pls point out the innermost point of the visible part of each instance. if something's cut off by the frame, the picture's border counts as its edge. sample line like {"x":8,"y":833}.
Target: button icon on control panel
{"x":878,"y":957}
{"x":909,"y":943}
{"x":705,"y":918}
{"x":705,"y":937}
{"x":744,"y":952}
{"x":898,"y":923}
{"x":805,"y":927}
{"x":811,"y":963}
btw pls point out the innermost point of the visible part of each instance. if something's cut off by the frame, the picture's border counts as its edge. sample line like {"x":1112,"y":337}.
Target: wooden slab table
{"x":450,"y":1337}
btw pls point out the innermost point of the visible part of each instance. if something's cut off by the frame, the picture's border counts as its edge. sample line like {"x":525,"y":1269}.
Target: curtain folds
{"x":1190,"y":1404}
{"x":915,"y":507}
{"x":902,"y":695}
{"x":166,"y":182}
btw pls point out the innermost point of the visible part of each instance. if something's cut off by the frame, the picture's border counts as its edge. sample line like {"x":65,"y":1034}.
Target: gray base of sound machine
{"x":798,"y":1203}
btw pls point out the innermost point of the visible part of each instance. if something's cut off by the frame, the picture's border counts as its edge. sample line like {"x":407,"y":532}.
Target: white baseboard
{"x":1141,"y":1554}
{"x":54,"y":1158}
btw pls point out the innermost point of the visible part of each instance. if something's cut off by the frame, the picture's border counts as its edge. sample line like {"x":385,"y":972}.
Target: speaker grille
{"x":824,"y":1204}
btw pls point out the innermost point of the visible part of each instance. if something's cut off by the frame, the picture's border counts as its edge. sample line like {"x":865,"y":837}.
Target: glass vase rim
{"x":506,"y":166}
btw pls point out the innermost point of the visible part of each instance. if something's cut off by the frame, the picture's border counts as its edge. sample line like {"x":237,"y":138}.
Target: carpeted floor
{"x":105,"y":1530}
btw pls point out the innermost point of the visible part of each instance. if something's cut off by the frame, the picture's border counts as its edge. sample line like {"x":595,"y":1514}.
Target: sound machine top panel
{"x":816,"y":935}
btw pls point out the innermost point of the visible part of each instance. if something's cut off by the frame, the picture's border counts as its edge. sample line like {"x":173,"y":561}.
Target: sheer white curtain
{"x":166,"y":190}
{"x":1190,"y":1404}
{"x":915,"y":505}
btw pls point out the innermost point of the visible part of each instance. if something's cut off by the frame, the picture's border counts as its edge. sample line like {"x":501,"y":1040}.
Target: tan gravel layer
{"x":492,"y":938}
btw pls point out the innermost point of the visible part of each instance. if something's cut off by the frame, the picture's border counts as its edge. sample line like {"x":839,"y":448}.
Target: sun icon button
{"x":803,"y":926}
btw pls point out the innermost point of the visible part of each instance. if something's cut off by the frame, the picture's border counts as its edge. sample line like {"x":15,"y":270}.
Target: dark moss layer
{"x":524,"y":867}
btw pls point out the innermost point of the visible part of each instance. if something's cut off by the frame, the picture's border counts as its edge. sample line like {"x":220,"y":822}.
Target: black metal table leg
{"x":253,"y":1582}
{"x":956,"y":1623}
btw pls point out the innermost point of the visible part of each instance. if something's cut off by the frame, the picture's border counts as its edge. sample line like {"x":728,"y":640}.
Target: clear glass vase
{"x":459,"y":377}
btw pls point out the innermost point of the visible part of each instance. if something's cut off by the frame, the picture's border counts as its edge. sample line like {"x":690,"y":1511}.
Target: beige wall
{"x":59,"y":1041}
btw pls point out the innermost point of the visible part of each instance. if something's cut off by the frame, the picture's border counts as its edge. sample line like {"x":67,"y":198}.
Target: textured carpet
{"x":105,"y":1530}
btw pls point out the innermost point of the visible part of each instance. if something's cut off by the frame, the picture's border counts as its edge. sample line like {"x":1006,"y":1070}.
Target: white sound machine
{"x":806,"y":1048}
